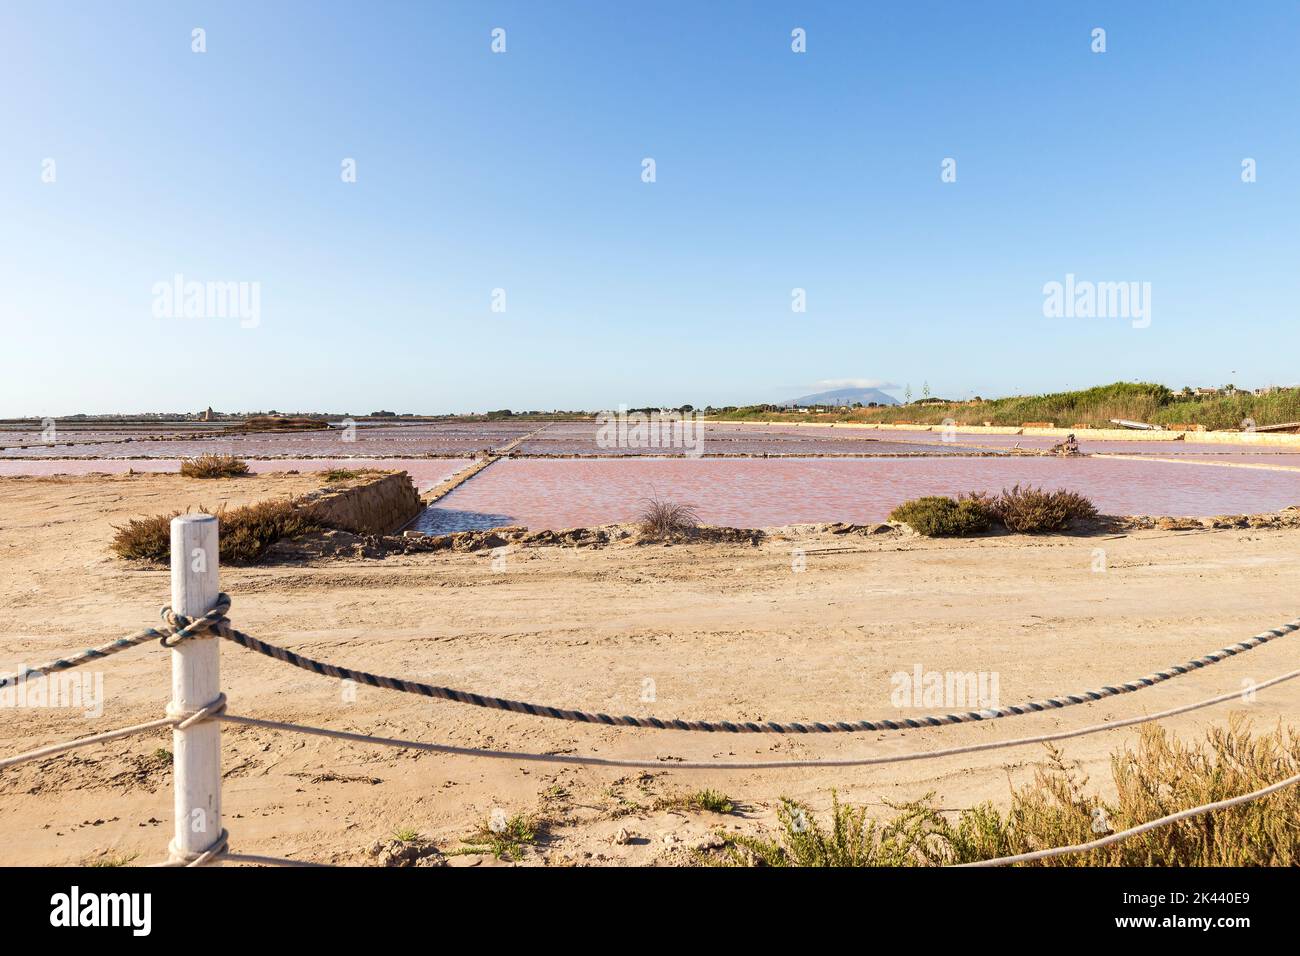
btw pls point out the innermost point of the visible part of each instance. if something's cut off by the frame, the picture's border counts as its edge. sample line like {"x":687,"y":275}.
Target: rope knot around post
{"x":187,"y":719}
{"x":213,"y":623}
{"x":178,"y":857}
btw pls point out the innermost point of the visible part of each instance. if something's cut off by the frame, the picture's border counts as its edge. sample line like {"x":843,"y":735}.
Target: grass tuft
{"x":505,"y":841}
{"x":713,"y":801}
{"x":662,"y":520}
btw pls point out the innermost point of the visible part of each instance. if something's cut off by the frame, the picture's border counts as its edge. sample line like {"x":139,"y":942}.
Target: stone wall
{"x":376,"y":504}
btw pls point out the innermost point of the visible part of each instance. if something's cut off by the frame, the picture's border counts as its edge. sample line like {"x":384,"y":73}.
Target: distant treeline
{"x":1097,"y":407}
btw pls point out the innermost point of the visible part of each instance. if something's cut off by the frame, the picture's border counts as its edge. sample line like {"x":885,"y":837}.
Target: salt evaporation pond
{"x":607,"y":485}
{"x":425,"y":473}
{"x":372,"y":441}
{"x":745,"y":492}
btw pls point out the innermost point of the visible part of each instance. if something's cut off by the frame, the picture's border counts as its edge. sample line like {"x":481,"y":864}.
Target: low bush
{"x":1033,"y":510}
{"x":1020,"y":510}
{"x":936,"y":516}
{"x":214,"y":466}
{"x":246,"y":532}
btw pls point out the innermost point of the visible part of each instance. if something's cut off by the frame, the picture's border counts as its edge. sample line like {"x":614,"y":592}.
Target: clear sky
{"x":522,"y":171}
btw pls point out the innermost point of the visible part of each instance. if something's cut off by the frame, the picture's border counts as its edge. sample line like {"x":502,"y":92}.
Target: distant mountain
{"x":846,"y":396}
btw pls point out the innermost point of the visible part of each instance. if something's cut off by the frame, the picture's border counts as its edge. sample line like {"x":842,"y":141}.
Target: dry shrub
{"x":937,"y":517}
{"x":246,"y":532}
{"x":1033,"y":510}
{"x":1162,"y":776}
{"x":667,"y":519}
{"x":214,"y":466}
{"x":145,"y":539}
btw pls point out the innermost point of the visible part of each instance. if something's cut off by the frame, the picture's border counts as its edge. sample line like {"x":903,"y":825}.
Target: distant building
{"x":208,"y":416}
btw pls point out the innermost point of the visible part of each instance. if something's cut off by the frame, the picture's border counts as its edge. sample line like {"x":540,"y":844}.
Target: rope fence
{"x":198,"y":614}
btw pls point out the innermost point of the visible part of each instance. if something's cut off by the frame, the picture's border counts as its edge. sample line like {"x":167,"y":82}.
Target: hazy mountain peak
{"x":845,"y":396}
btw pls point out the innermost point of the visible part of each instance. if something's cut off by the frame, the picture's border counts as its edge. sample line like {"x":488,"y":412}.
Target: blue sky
{"x":522,"y":171}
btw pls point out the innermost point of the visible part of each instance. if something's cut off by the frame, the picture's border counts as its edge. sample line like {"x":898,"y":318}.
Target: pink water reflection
{"x":562,"y":493}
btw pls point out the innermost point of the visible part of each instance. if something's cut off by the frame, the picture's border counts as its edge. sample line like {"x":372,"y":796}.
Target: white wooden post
{"x":196,"y":762}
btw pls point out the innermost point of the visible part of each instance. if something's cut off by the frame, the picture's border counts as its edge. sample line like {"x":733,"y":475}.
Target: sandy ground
{"x":723,"y":631}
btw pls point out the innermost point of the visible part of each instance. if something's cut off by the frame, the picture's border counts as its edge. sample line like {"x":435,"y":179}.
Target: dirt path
{"x":718,"y":631}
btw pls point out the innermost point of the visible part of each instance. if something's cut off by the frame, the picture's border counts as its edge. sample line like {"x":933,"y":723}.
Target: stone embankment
{"x":379,"y":503}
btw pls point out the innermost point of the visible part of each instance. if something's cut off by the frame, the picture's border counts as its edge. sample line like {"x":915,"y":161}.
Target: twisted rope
{"x":55,"y":749}
{"x":222,"y":627}
{"x":626,"y":763}
{"x":177,"y":721}
{"x":178,"y":628}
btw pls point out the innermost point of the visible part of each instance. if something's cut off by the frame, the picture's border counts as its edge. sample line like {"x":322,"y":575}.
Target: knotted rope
{"x":179,"y":628}
{"x":214,"y":849}
{"x":177,"y":720}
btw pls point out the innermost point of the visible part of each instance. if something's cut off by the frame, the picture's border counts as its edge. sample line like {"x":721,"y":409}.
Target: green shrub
{"x":506,"y":840}
{"x":917,"y":836}
{"x":214,"y":466}
{"x":936,"y":516}
{"x":714,"y":801}
{"x":1033,"y":510}
{"x":245,"y":533}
